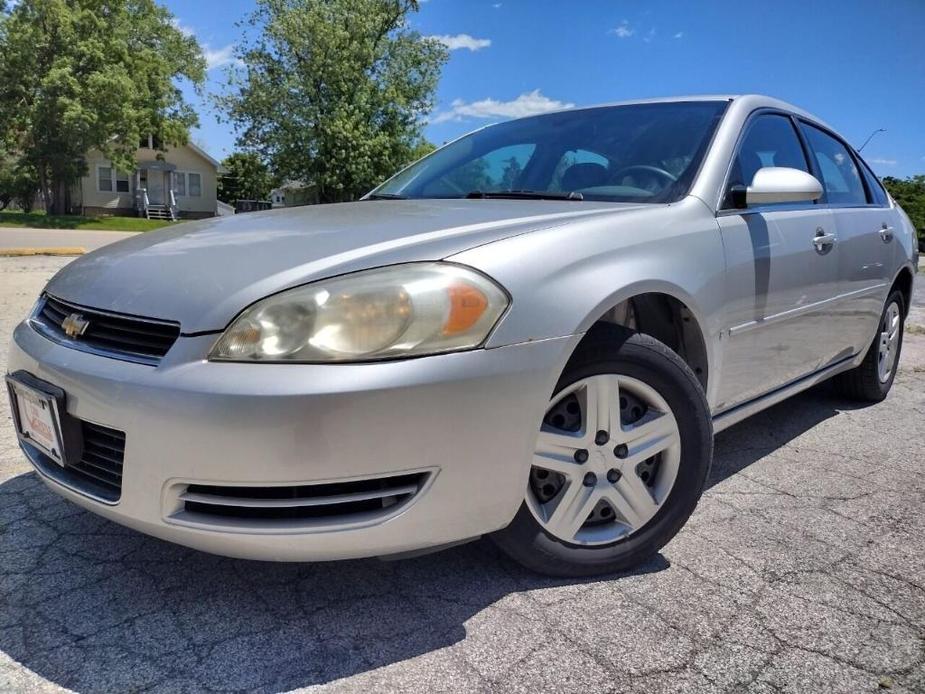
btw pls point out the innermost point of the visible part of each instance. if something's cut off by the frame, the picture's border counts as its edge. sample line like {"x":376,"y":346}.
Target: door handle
{"x":886,"y":233}
{"x":823,"y":241}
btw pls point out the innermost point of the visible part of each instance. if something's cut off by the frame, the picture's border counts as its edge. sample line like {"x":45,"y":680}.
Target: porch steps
{"x":159,"y":212}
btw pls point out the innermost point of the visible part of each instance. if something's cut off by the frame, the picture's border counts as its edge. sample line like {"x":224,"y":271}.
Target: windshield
{"x":634,"y":153}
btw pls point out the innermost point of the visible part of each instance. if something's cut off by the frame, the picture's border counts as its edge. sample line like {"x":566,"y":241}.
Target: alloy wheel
{"x":889,"y":342}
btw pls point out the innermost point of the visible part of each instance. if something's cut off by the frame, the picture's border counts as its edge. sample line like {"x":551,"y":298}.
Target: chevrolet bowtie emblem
{"x":75,"y":325}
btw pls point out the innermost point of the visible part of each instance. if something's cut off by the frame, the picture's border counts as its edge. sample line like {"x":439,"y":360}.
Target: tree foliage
{"x":77,"y":75}
{"x":246,"y":177}
{"x":910,"y":194}
{"x":333,"y":92}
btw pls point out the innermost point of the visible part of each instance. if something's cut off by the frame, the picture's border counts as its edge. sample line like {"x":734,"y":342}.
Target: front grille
{"x":338,"y":502}
{"x":98,"y":473}
{"x":118,"y":335}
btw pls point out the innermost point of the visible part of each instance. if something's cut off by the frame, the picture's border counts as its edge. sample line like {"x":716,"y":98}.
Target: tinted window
{"x":840,"y":176}
{"x":638,"y":152}
{"x":770,"y":140}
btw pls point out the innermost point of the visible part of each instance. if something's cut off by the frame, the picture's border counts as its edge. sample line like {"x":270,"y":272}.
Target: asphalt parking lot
{"x":803,"y":570}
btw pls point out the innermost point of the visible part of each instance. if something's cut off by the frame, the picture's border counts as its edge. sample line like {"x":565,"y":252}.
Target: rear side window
{"x":770,"y":140}
{"x":874,"y":187}
{"x":840,"y":176}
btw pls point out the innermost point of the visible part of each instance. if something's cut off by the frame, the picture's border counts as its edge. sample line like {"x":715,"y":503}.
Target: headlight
{"x":399,"y":311}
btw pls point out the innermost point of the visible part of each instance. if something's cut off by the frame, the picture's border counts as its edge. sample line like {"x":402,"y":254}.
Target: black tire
{"x":613,"y":349}
{"x":863,"y":382}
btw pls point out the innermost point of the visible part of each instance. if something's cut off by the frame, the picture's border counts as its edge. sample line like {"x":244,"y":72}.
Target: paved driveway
{"x":803,"y":570}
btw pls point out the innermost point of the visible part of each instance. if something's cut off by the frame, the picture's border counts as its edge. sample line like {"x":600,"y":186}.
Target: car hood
{"x":204,"y":273}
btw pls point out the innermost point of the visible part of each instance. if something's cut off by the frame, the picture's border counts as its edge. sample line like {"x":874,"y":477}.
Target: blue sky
{"x":857,"y":64}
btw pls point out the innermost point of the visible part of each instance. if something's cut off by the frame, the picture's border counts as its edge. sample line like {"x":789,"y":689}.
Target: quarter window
{"x":840,"y":176}
{"x":770,"y":140}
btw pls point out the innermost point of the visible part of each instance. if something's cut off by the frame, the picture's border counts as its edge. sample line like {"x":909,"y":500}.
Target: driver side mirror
{"x":776,"y":184}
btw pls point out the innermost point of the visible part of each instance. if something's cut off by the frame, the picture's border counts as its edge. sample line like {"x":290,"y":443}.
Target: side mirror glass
{"x":773,"y":184}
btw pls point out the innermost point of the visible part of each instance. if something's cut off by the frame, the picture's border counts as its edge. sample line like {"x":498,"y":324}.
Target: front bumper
{"x":469,"y":419}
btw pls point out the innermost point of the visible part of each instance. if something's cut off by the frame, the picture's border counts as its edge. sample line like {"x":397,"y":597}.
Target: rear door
{"x":864,"y":227}
{"x":780,"y":279}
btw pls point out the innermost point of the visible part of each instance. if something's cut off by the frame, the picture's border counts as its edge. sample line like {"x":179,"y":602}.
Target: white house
{"x":180,"y":183}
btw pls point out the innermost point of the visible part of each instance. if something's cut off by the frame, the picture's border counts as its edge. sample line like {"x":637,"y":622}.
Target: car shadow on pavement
{"x":92,"y":606}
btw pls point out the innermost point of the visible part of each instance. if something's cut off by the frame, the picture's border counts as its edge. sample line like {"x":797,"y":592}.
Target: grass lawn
{"x":40,"y":220}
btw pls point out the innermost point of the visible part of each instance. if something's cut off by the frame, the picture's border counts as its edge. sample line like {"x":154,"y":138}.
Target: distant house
{"x":293,"y":194}
{"x":179,"y":183}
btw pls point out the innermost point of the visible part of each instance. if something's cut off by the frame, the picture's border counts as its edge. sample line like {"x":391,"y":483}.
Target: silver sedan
{"x":532,"y":333}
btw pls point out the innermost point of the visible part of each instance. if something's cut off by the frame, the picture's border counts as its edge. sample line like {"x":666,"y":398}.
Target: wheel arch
{"x":662,"y":311}
{"x":903,"y":282}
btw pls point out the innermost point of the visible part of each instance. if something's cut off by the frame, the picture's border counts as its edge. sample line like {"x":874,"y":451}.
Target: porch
{"x":155,"y":190}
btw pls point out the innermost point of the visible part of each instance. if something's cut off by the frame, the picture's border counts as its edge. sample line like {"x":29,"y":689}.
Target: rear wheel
{"x":620,"y":461}
{"x":872,"y":380}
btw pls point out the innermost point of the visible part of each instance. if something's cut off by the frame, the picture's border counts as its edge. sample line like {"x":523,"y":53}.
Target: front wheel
{"x":620,"y":462}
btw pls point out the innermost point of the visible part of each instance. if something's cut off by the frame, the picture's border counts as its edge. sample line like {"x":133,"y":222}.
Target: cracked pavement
{"x":802,"y":570}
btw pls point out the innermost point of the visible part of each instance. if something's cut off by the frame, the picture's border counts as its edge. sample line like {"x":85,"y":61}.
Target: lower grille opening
{"x":337,"y":501}
{"x":98,"y":473}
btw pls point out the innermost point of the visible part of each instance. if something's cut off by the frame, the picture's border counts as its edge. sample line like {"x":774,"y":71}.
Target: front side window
{"x":121,"y":182}
{"x":194,"y":184}
{"x":840,"y":176}
{"x":633,"y":153}
{"x":770,"y":140}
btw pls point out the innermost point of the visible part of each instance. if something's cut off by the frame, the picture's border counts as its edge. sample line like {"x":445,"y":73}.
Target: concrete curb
{"x":30,"y":251}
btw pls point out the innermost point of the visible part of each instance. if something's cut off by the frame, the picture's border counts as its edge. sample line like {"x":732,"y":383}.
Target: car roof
{"x":748,"y":102}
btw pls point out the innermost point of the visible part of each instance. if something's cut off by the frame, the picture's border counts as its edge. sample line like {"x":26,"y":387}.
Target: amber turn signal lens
{"x":467,"y":304}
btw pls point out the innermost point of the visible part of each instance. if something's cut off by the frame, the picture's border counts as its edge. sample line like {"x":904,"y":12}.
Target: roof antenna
{"x":871,"y":137}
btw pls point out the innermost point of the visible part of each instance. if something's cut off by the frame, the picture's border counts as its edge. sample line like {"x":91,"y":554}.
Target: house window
{"x":188,"y":184}
{"x":104,"y":178}
{"x":109,"y":179}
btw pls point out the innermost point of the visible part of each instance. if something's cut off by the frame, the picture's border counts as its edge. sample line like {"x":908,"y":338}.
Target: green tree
{"x":77,"y":75}
{"x":910,"y":194}
{"x":18,"y":183}
{"x":246,"y":177}
{"x":333,"y":92}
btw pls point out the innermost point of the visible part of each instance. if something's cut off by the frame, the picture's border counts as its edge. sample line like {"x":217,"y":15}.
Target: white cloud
{"x":462,"y":41}
{"x":496,"y":5}
{"x":184,"y":29}
{"x":623,"y":30}
{"x":883,"y":162}
{"x":218,"y":57}
{"x":679,"y":35}
{"x":650,"y":34}
{"x":528,"y":104}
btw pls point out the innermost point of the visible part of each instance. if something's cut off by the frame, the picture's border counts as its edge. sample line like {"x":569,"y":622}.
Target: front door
{"x":156,"y":189}
{"x":781,"y":275}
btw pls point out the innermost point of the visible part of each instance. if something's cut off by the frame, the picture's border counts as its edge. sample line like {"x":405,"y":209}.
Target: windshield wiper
{"x":526,"y":195}
{"x":385,"y":196}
